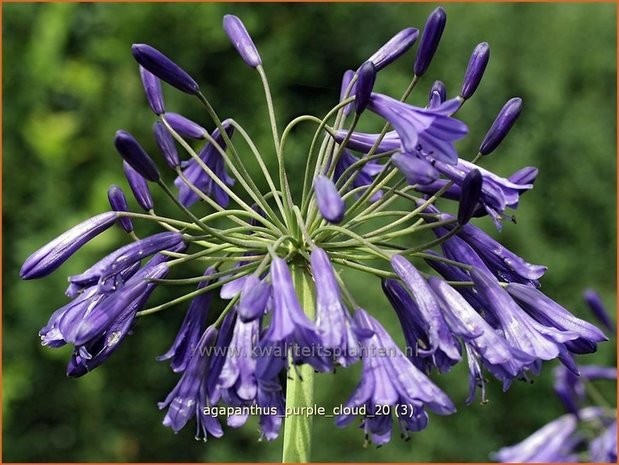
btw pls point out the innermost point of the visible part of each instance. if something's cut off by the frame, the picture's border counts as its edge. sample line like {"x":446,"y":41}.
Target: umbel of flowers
{"x":277,"y":259}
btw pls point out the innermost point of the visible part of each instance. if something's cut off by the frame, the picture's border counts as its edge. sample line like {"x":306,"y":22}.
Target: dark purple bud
{"x":471,"y":193}
{"x":396,"y":46}
{"x":240,"y":38}
{"x":164,"y":68}
{"x":118,"y":202}
{"x":330,"y":204}
{"x":152,"y":86}
{"x":440,"y":88}
{"x":139,"y":187}
{"x":415,"y":170}
{"x":364,"y":86}
{"x":133,"y":153}
{"x":254,"y":297}
{"x":475,"y":70}
{"x":348,"y":75}
{"x":185,"y":127}
{"x":430,"y":38}
{"x":501,"y":126}
{"x":165,"y":141}
{"x":55,"y":253}
{"x":597,"y":307}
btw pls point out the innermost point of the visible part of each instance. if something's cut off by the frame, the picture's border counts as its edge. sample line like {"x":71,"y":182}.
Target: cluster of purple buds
{"x":278,"y":260}
{"x":588,"y":431}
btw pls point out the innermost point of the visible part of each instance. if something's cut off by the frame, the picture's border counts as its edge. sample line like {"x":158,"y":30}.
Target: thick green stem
{"x":300,"y":386}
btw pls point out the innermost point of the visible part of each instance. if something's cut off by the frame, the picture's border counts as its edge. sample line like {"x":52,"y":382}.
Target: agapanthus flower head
{"x":330,"y":203}
{"x":242,"y":41}
{"x":139,"y":187}
{"x":152,"y":87}
{"x":501,"y":126}
{"x":165,"y":142}
{"x":133,"y":153}
{"x":430,"y":38}
{"x":165,"y":69}
{"x":394,"y":48}
{"x":118,"y":202}
{"x":475,"y":70}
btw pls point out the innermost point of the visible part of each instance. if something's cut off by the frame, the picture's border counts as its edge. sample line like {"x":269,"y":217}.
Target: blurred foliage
{"x":70,"y":82}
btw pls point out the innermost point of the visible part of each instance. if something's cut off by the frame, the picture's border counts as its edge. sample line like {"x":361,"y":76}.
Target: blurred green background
{"x":70,"y":82}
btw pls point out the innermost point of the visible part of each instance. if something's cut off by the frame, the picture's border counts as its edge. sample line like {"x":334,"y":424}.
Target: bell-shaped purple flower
{"x":49,"y":257}
{"x":164,"y":68}
{"x":596,"y":305}
{"x":390,"y":380}
{"x":431,"y":132}
{"x":330,"y":203}
{"x":184,"y":126}
{"x":165,"y":142}
{"x":363,"y":88}
{"x":290,"y":330}
{"x":191,"y":329}
{"x":475,"y":70}
{"x":240,"y":38}
{"x":202,"y":180}
{"x":118,"y":202}
{"x":152,"y":87}
{"x":133,"y":153}
{"x":471,"y":193}
{"x":444,"y":348}
{"x":255,"y":295}
{"x":394,"y":48}
{"x":415,"y":169}
{"x":501,"y":126}
{"x":363,"y":177}
{"x":139,"y":187}
{"x":430,"y":38}
{"x":346,"y":78}
{"x":334,"y":324}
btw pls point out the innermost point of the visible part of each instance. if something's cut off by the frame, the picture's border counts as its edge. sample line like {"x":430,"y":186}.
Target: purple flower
{"x":164,"y":68}
{"x":440,"y":89}
{"x":604,"y":448}
{"x":390,"y":380}
{"x":240,"y":38}
{"x":191,"y":328}
{"x":334,"y":324}
{"x":330,"y":204}
{"x":290,"y":329}
{"x":431,"y":132}
{"x":551,"y":443}
{"x":165,"y":142}
{"x":118,"y":202}
{"x":363,"y":177}
{"x":184,"y":126}
{"x":596,"y":305}
{"x":152,"y":87}
{"x":133,"y":153}
{"x":471,"y":193}
{"x":526,"y":175}
{"x":189,"y":396}
{"x":363,"y":88}
{"x":49,"y":257}
{"x":270,"y":398}
{"x":346,"y":78}
{"x":443,"y":347}
{"x":501,"y":126}
{"x":415,"y":169}
{"x":255,"y":295}
{"x":475,"y":70}
{"x":107,"y":270}
{"x":202,"y":180}
{"x":397,"y":45}
{"x":430,"y":38}
{"x":139,"y":187}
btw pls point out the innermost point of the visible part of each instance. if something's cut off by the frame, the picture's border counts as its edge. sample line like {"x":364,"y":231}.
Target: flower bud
{"x":429,"y":40}
{"x":133,"y":153}
{"x":415,"y":170}
{"x":475,"y":70}
{"x":55,"y":253}
{"x":185,"y":127}
{"x":254,"y":297}
{"x":348,"y":75}
{"x":469,"y":198}
{"x":501,"y":126}
{"x":364,"y":86}
{"x":330,"y":204}
{"x":164,"y":68}
{"x":396,"y":46}
{"x":118,"y":202}
{"x":139,"y":187}
{"x":438,"y":87}
{"x":165,"y":142}
{"x":152,"y":86}
{"x":240,"y":38}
